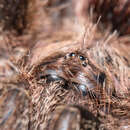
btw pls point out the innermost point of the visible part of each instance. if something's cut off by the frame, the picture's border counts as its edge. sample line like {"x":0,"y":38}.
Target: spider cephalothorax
{"x":76,"y":70}
{"x":83,"y":60}
{"x":67,"y":78}
{"x":63,"y":75}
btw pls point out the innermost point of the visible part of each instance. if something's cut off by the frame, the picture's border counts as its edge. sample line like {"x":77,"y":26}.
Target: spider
{"x":76,"y":70}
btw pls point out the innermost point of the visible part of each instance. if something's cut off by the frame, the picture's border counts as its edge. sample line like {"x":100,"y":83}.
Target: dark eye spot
{"x":72,"y":54}
{"x":84,"y":64}
{"x":102,"y":77}
{"x":82,"y":58}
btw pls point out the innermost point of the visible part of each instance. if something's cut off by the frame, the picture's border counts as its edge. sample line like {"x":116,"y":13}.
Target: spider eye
{"x":72,"y":54}
{"x":82,"y":58}
{"x":84,"y":64}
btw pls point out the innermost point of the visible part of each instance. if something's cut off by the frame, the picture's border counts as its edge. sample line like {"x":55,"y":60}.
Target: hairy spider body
{"x":66,"y":80}
{"x":77,"y":71}
{"x":88,"y":79}
{"x":74,"y":77}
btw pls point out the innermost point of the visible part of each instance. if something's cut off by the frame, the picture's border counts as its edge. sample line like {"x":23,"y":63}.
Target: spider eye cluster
{"x":74,"y":55}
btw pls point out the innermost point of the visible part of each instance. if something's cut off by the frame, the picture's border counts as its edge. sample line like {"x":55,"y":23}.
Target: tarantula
{"x":67,"y":74}
{"x":62,"y":85}
{"x":76,"y":70}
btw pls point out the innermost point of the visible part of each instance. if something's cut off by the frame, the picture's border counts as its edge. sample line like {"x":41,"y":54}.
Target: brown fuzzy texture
{"x":13,"y":14}
{"x":53,"y":75}
{"x":14,"y":106}
{"x":113,"y":13}
{"x":102,"y":58}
